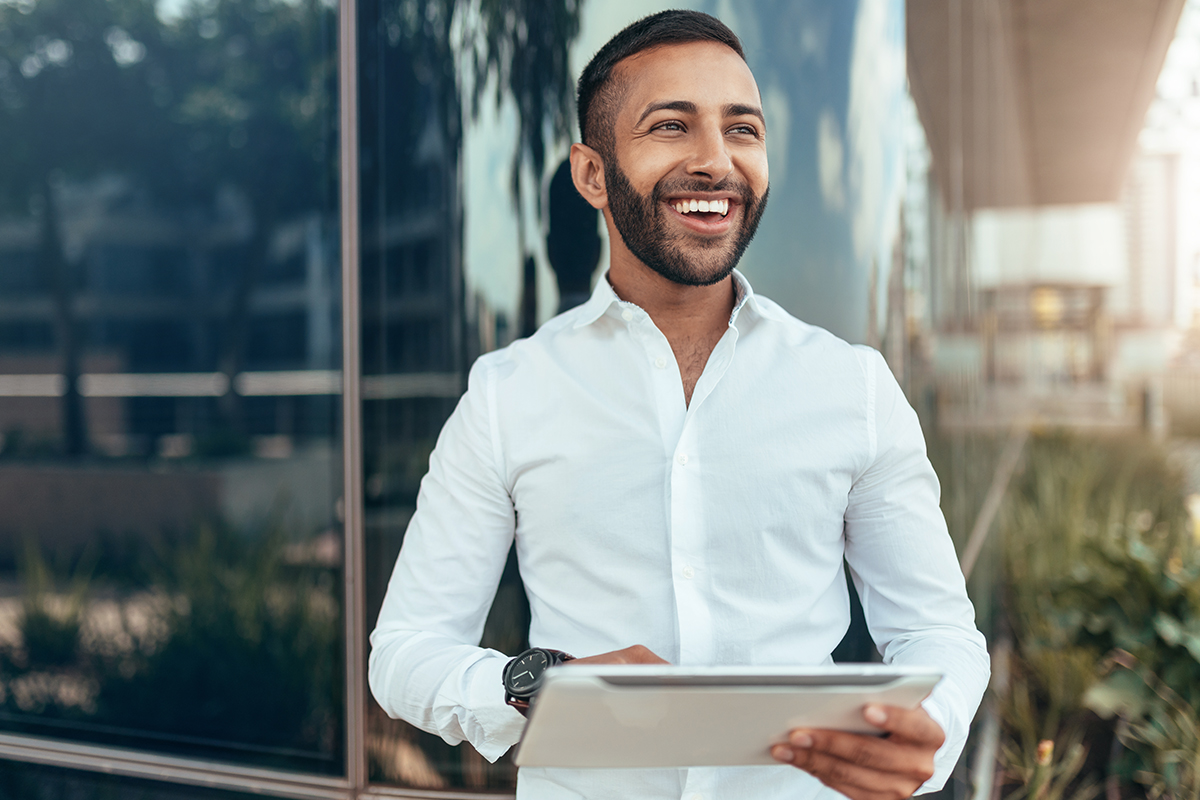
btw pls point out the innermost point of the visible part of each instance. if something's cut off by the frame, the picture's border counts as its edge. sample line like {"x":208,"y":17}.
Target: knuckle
{"x":816,"y":740}
{"x":859,"y":753}
{"x":836,"y":770}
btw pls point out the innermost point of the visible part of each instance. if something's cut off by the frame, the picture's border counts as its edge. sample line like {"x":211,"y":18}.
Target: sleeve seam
{"x":872,"y":438}
{"x":494,"y":427}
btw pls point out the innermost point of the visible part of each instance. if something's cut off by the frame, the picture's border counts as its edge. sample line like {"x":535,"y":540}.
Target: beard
{"x":640,"y":221}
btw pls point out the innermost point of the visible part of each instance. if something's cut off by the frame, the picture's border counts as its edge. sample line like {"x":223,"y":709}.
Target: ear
{"x":587,"y":171}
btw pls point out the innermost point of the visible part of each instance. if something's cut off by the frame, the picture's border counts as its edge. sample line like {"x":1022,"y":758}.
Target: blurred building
{"x":1056,"y":284}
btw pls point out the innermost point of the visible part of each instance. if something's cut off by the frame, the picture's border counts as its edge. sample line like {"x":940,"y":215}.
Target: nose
{"x":711,"y":156}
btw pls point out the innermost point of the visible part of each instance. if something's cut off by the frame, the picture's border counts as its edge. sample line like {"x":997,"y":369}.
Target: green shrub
{"x":226,"y":643}
{"x":1099,"y":559}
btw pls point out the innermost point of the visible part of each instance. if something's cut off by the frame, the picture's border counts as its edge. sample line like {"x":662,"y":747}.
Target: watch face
{"x":526,"y":674}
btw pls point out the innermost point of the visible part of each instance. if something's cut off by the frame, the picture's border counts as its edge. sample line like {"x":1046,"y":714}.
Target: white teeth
{"x":715,"y":206}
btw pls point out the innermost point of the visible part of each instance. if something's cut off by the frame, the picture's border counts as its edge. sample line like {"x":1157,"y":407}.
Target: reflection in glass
{"x":169,"y":363}
{"x":427,"y":69}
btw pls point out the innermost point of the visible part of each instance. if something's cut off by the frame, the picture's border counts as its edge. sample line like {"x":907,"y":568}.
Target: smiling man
{"x":683,"y":467}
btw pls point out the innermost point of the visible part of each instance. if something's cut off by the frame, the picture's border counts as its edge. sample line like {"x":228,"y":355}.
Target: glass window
{"x":473,"y":235}
{"x":170,"y":548}
{"x":36,"y":782}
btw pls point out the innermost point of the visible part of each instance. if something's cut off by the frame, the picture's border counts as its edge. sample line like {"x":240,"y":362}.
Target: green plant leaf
{"x":1122,"y":694}
{"x":1168,"y":628}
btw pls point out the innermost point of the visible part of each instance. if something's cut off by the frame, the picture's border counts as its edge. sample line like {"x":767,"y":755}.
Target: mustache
{"x":682,"y":186}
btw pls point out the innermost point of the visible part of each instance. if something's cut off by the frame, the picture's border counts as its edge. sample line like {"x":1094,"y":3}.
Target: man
{"x":683,"y":466}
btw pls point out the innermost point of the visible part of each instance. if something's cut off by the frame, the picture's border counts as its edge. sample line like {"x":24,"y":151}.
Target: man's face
{"x":689,"y":133}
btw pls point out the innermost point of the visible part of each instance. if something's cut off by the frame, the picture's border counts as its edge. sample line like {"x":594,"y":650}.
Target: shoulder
{"x":813,"y":345}
{"x":533,"y":353}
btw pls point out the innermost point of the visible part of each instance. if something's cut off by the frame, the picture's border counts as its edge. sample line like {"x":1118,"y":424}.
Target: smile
{"x":706,"y":206}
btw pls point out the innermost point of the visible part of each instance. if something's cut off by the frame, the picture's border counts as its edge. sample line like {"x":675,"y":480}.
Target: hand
{"x":638,"y":654}
{"x":869,"y":767}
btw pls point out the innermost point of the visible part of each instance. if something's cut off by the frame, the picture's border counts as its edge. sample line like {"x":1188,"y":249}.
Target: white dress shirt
{"x":712,"y":533}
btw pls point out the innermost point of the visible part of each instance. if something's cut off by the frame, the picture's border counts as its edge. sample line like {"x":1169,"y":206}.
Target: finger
{"x":883,"y":755}
{"x":640,"y":654}
{"x":910,"y":724}
{"x":637,"y":654}
{"x":849,"y":779}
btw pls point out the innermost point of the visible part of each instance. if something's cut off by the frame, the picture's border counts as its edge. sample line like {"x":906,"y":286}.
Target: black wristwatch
{"x":523,"y":675}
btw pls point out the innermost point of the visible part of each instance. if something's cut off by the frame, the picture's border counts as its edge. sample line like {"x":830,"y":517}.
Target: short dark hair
{"x":599,"y":97}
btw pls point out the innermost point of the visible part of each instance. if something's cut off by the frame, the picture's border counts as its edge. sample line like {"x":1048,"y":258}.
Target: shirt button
{"x":660,"y":362}
{"x":682,"y":459}
{"x":689,"y":573}
{"x":627,"y":315}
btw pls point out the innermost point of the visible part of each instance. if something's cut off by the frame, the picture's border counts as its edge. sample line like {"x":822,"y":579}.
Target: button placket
{"x":687,"y":552}
{"x":714,"y":370}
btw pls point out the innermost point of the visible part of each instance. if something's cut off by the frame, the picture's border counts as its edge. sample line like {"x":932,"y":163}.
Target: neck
{"x":679,"y":311}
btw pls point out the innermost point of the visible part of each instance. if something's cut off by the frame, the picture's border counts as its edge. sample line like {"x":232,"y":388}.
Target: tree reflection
{"x":429,"y":67}
{"x":228,"y":106}
{"x":225,"y":644}
{"x":160,"y":163}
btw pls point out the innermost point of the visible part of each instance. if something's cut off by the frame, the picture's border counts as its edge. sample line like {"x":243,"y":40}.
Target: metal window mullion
{"x":399,"y":793}
{"x":171,"y":769}
{"x":352,"y":467}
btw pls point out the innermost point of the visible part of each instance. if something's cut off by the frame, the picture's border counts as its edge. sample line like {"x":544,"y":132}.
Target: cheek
{"x":643,"y":167}
{"x":757,"y":174}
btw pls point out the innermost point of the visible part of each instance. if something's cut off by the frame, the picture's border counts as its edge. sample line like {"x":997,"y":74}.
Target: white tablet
{"x":668,"y":716}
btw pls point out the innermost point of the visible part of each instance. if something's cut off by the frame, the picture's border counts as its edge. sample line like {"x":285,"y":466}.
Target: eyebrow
{"x":741,"y":110}
{"x":688,"y":107}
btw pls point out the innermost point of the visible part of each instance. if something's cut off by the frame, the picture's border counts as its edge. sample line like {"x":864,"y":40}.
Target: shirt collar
{"x":603,"y":297}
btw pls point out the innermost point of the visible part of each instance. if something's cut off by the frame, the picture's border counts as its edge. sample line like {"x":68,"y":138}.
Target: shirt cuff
{"x":946,"y":757}
{"x":500,"y":725}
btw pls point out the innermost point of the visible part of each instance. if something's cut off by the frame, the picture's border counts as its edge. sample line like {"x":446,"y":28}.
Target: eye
{"x":745,"y":129}
{"x":670,"y":125}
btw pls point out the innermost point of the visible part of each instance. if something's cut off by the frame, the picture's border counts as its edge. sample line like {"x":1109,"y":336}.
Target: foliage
{"x":525,"y":44}
{"x":1099,"y":558}
{"x":252,"y":647}
{"x":1046,"y":768}
{"x":1168,"y":736}
{"x":50,"y":631}
{"x":227,"y":642}
{"x":224,"y":114}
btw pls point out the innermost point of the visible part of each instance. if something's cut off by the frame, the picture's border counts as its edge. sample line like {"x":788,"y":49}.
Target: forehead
{"x":708,"y":74}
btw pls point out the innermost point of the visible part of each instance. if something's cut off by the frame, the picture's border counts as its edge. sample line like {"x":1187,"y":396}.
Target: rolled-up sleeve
{"x":426,"y":666}
{"x":904,"y":566}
